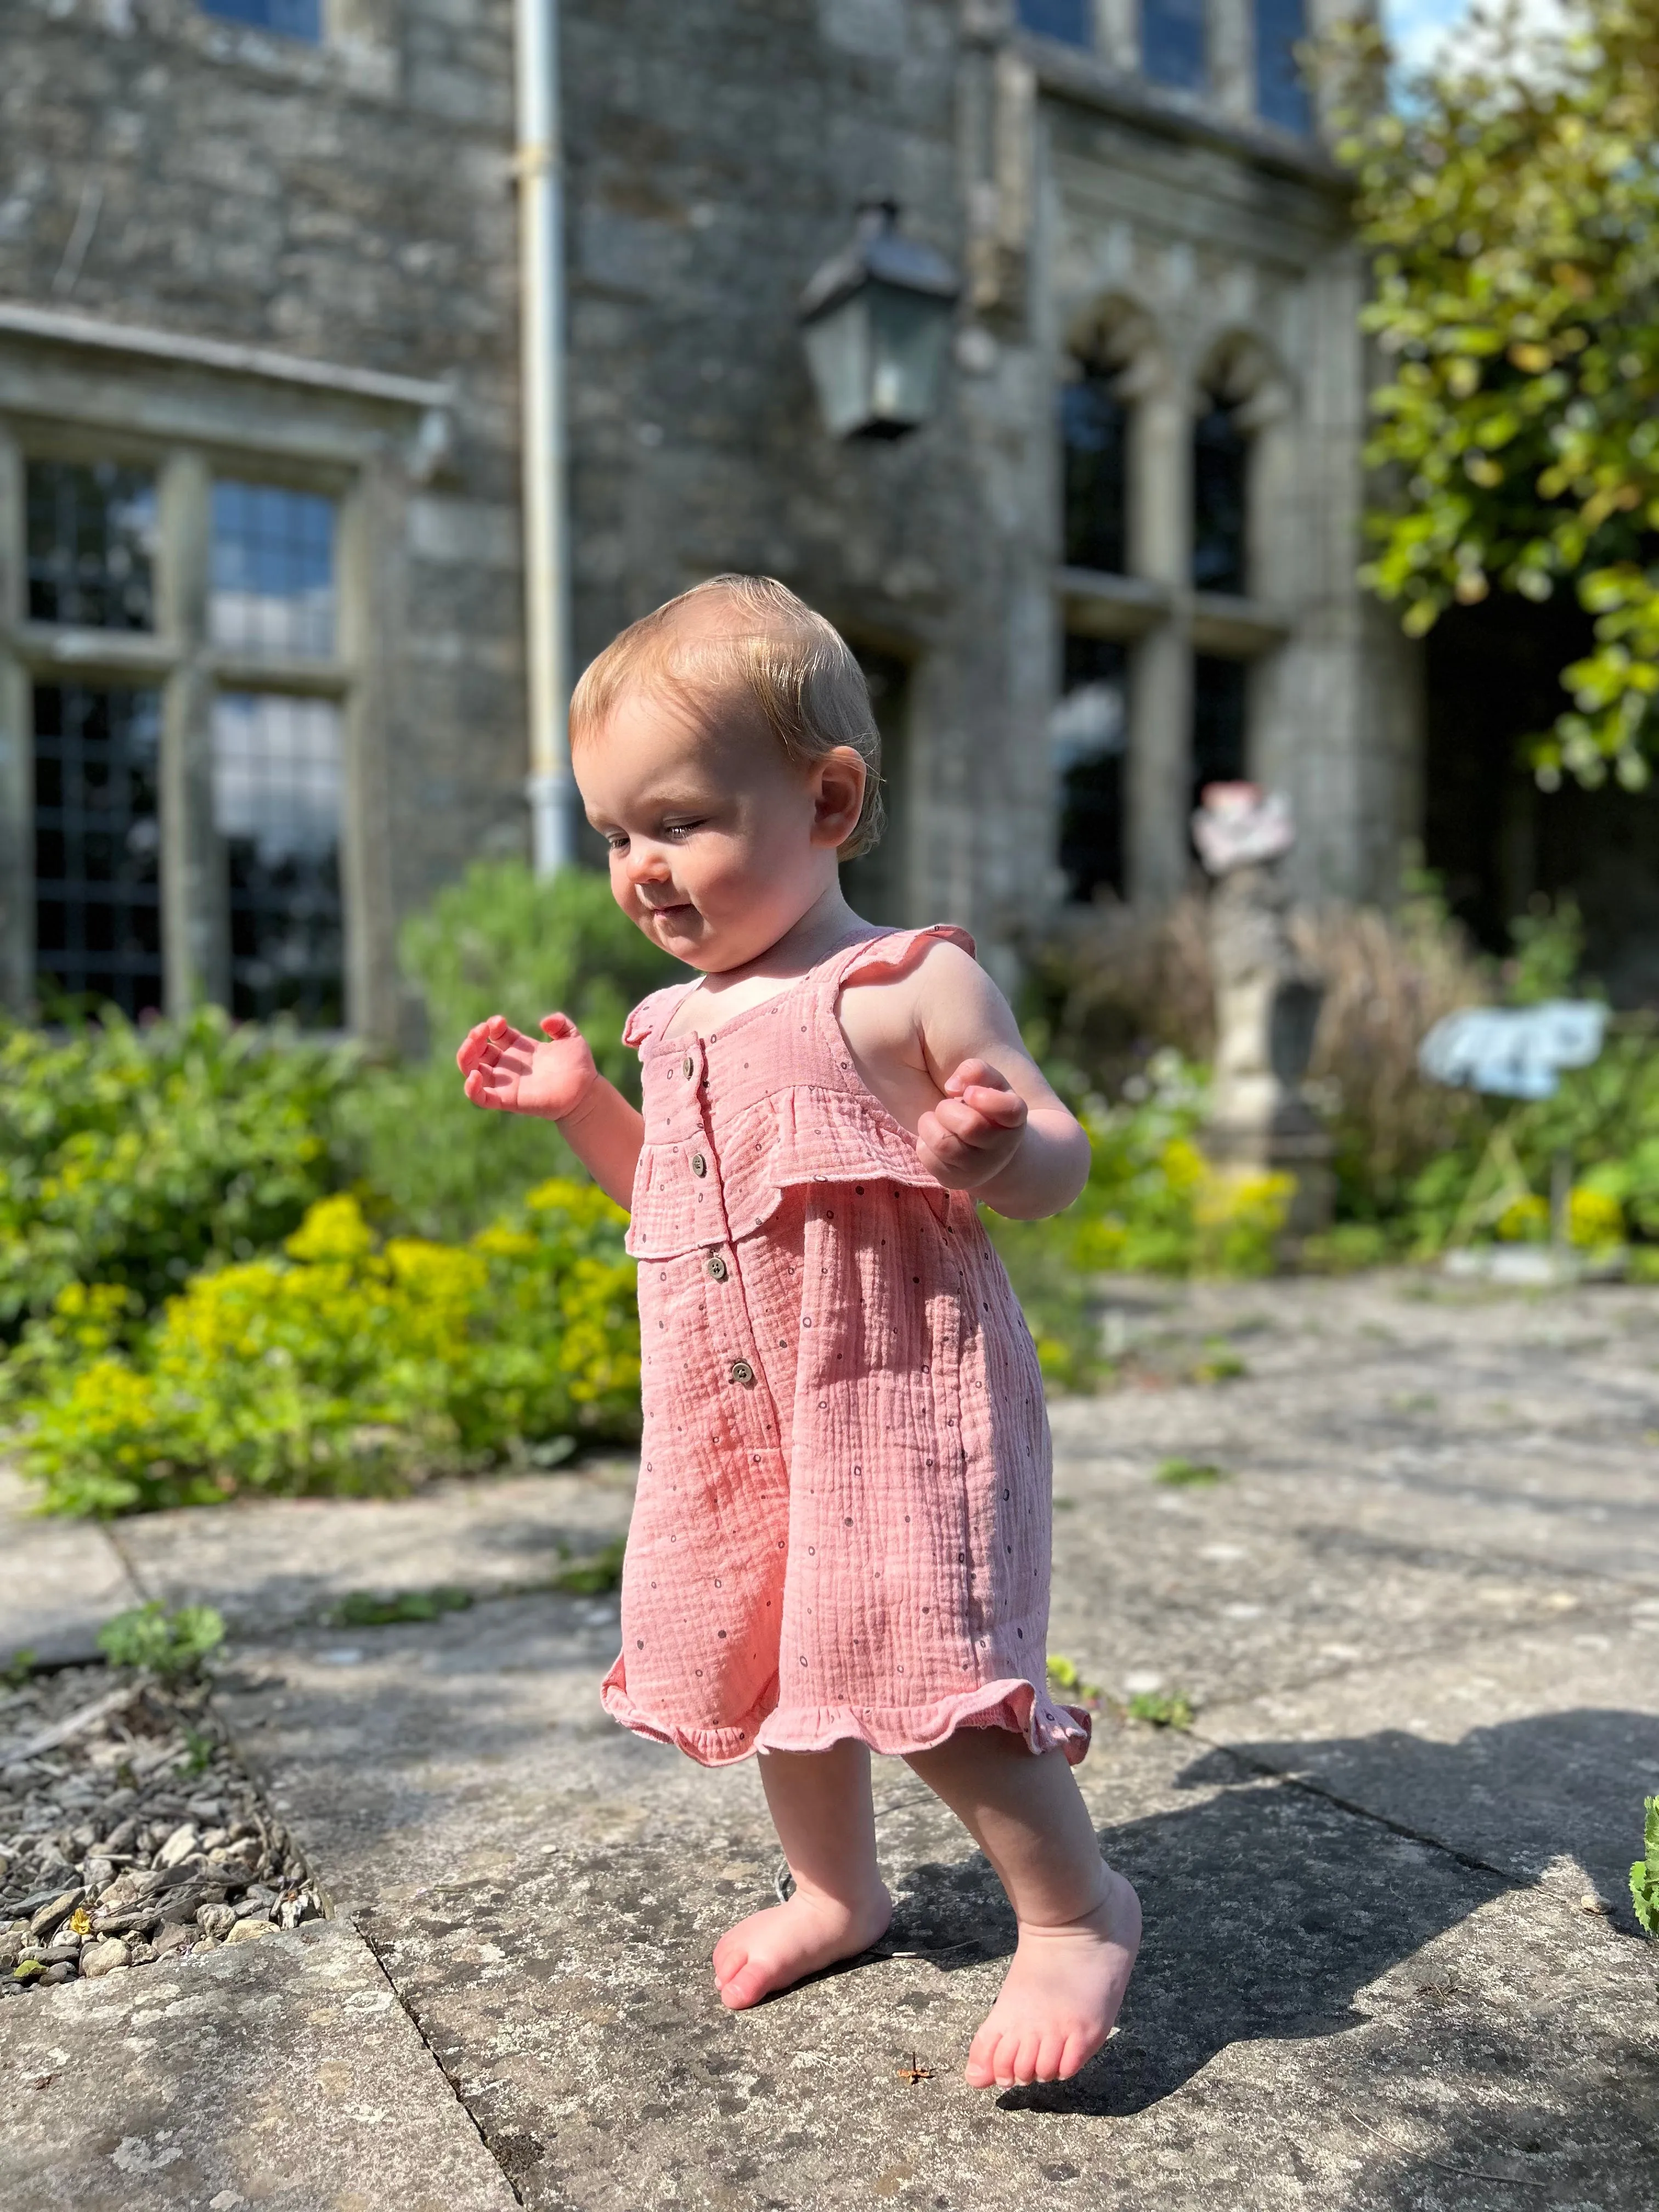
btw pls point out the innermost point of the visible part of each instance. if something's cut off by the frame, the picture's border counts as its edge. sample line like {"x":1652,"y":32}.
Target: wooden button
{"x":688,"y":1065}
{"x":743,"y":1373}
{"x":717,"y":1266}
{"x":699,"y":1165}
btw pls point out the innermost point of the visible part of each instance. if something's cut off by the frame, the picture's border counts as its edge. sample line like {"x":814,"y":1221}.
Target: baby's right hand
{"x":514,"y":1073}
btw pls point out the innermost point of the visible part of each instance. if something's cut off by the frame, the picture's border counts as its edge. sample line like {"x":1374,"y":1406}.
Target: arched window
{"x":1172,"y":43}
{"x":1281,"y":96}
{"x":1220,"y":464}
{"x":1094,"y":432}
{"x":1088,"y":733}
{"x":1074,"y":20}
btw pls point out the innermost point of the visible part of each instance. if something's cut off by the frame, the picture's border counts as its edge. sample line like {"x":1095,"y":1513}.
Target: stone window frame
{"x":76,"y":389}
{"x":1154,"y":609}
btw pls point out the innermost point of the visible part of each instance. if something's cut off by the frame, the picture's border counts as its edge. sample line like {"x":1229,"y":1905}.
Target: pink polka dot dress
{"x":842,"y":1523}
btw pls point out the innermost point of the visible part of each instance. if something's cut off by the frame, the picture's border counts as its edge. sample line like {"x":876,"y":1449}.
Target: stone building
{"x":261,"y":657}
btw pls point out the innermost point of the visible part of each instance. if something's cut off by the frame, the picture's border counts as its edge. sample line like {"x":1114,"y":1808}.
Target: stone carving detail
{"x":1267,"y":1002}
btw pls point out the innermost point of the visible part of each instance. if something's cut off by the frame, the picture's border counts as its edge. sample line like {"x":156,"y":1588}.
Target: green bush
{"x":1153,"y":1204}
{"x":1644,"y":1874}
{"x":342,"y":1364}
{"x":170,"y":1645}
{"x":499,"y":941}
{"x":131,"y":1157}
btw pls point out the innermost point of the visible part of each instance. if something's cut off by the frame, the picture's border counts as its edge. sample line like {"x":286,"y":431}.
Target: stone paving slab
{"x":270,"y":1561}
{"x":64,"y":1579}
{"x":1326,"y":2015}
{"x":1530,"y":1751}
{"x":280,"y":2072}
{"x":1419,"y":1622}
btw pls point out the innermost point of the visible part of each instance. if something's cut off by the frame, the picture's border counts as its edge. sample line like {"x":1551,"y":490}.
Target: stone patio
{"x":1418,"y":1619}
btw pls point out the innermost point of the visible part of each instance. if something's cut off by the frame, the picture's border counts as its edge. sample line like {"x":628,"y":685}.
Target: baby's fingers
{"x":558,"y":1025}
{"x":974,"y":1074}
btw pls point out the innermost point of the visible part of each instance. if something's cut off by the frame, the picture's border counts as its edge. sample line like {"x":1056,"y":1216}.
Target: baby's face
{"x":719,"y":841}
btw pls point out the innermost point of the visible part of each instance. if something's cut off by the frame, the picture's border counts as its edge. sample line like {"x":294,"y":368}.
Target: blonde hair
{"x":748,"y":637}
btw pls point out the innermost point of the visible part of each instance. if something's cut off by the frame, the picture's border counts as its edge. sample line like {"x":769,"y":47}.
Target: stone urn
{"x":1266,"y":1004}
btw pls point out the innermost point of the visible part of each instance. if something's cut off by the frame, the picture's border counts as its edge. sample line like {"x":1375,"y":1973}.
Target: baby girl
{"x":840,"y":1540}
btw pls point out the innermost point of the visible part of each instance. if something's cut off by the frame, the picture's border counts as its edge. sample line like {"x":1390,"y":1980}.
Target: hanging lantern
{"x":876,"y":323}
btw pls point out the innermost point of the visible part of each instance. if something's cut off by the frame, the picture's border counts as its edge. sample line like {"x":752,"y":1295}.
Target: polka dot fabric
{"x":842,"y":1521}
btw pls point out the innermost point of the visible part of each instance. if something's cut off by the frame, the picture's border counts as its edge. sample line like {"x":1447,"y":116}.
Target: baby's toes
{"x":982,"y":2053}
{"x":1050,"y":2058}
{"x":1022,"y":2057}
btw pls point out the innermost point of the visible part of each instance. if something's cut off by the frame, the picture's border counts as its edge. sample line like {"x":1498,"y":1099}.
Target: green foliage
{"x":170,"y":1645}
{"x":1189,"y":1474}
{"x":18,"y":1669}
{"x":1496,"y":1181}
{"x":1509,"y":206}
{"x":1549,"y":948}
{"x":1170,"y":1708}
{"x":131,"y":1157}
{"x":344,"y":1364}
{"x":1068,"y":1682}
{"x":363,"y":1609}
{"x":499,"y":941}
{"x":1644,"y":1874}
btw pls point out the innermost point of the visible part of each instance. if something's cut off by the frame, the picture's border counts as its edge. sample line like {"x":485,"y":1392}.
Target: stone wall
{"x":353,"y":205}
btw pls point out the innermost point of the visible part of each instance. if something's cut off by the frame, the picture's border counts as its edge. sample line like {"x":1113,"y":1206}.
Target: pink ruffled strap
{"x":653,"y":1013}
{"x":892,"y":954}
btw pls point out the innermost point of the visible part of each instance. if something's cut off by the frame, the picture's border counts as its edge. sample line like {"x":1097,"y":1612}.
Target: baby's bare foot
{"x":782,"y":1945}
{"x":1062,"y":1996}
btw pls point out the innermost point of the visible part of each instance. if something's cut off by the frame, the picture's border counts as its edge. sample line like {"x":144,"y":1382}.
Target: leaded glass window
{"x":1072,"y":20}
{"x":1094,"y":430}
{"x":273,"y":570}
{"x":288,"y":19}
{"x":1172,"y":43}
{"x":276,"y":799}
{"x":90,"y":549}
{"x":1280,"y":94}
{"x":1220,"y":469}
{"x":97,"y":845}
{"x":1088,"y":734}
{"x":1220,"y":699}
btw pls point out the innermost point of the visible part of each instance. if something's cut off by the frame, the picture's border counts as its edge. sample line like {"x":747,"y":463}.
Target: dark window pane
{"x":1172,"y":42}
{"x":273,"y":570}
{"x":1280,"y":94}
{"x":276,"y":806}
{"x":289,"y":19}
{"x":1094,"y":428}
{"x":1220,"y":455}
{"x":97,"y":845}
{"x":876,"y":883}
{"x":1219,"y":695}
{"x":1088,"y":734}
{"x":91,"y":540}
{"x":1070,"y":19}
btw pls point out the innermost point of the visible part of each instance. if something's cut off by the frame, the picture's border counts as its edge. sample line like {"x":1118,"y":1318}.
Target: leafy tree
{"x":1510,"y":201}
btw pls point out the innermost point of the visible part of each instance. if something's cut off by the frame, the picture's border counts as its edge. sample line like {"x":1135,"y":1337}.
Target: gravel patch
{"x":129,"y":1832}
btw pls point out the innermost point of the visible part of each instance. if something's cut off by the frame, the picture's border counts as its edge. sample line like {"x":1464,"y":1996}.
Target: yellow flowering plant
{"x":343,"y":1363}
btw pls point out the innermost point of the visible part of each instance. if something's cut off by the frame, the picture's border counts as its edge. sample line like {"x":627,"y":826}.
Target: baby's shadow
{"x":1267,"y":1910}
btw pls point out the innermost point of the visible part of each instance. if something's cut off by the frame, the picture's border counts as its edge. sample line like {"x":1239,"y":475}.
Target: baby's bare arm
{"x":555,"y":1078}
{"x":943,"y":1038}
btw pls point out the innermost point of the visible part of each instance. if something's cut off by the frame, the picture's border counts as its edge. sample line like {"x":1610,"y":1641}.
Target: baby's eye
{"x":679,"y":829}
{"x":616,"y":840}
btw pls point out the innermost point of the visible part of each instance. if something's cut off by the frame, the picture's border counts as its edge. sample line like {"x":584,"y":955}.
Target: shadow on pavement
{"x":1514,"y":1796}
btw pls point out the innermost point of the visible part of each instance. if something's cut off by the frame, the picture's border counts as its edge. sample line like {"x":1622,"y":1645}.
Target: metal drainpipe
{"x":540,"y":167}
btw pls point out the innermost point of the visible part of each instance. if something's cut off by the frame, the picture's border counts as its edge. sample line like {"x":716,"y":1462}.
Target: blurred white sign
{"x":1514,"y":1052}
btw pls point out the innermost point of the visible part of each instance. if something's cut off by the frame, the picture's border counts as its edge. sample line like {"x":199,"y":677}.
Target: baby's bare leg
{"x":820,"y":1805}
{"x":1079,"y":1924}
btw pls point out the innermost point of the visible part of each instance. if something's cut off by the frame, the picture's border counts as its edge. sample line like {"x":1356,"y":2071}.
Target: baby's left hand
{"x":972,"y":1135}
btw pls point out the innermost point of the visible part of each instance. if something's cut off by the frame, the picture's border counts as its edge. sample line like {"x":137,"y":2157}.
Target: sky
{"x":1421,"y":29}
